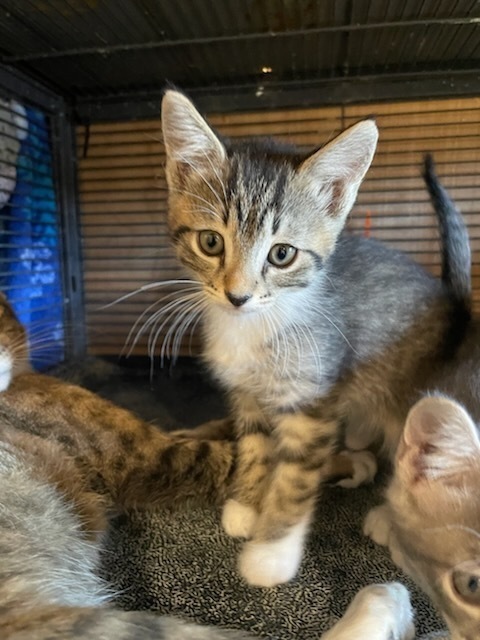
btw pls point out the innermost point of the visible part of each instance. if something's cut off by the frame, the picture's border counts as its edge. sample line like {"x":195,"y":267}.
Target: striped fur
{"x":345,"y":334}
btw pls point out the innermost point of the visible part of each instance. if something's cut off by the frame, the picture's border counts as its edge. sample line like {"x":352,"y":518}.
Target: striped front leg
{"x":253,"y":467}
{"x":303,"y":448}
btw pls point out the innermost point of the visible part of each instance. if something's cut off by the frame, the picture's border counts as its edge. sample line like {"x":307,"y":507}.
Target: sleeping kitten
{"x":307,"y":328}
{"x":68,"y":459}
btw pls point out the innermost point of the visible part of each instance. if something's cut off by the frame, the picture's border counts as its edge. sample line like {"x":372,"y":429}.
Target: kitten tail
{"x":456,"y":255}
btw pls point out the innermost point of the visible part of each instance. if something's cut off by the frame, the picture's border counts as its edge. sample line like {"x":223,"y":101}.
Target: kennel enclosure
{"x":85,"y":222}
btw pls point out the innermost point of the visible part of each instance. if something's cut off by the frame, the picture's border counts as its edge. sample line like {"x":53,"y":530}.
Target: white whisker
{"x":454,"y":527}
{"x":147,"y":287}
{"x":149,"y":308}
{"x":155,"y":332}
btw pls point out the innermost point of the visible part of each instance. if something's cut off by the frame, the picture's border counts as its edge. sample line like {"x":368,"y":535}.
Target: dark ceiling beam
{"x":26,"y":89}
{"x":334,"y":91}
{"x":241,"y":37}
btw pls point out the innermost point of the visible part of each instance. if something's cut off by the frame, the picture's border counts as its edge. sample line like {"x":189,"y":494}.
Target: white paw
{"x":377,"y":612}
{"x":364,"y":469}
{"x":389,"y":603}
{"x":238,"y":520}
{"x":266,"y":564}
{"x":377,"y":525}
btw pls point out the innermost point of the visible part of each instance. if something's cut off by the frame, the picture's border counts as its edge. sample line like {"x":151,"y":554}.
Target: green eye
{"x":210,"y":242}
{"x":282,"y":255}
{"x":466,"y":582}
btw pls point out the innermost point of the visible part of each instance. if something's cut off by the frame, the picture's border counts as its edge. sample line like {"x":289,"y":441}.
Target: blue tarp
{"x":30,"y":240}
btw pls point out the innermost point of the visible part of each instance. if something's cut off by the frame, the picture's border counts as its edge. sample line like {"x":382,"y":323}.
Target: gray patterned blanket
{"x":182,"y":563}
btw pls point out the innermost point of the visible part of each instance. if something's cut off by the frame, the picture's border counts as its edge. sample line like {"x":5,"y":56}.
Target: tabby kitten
{"x":306,"y":327}
{"x":68,"y":459}
{"x":431,"y":521}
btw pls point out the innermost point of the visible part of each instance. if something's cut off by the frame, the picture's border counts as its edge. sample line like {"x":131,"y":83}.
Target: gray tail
{"x":455,"y":243}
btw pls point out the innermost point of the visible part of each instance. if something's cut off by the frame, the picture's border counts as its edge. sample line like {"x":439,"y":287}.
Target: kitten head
{"x":13,"y":345}
{"x":255,"y":221}
{"x":436,"y":509}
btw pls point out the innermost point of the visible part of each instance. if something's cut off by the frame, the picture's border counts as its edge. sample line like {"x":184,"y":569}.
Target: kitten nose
{"x":237,"y":301}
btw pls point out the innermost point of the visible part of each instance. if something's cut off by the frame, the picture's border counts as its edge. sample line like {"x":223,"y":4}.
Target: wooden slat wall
{"x":123,"y":196}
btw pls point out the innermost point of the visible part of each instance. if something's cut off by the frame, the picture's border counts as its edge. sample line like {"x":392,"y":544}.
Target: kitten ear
{"x":342,"y":165}
{"x":190,"y":143}
{"x":440,"y":440}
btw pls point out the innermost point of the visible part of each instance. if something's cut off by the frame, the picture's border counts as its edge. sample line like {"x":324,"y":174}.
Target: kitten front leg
{"x":378,"y":612}
{"x":304,"y":446}
{"x":254,"y":454}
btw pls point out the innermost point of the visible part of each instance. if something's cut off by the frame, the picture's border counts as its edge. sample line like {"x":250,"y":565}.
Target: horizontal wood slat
{"x":123,"y":198}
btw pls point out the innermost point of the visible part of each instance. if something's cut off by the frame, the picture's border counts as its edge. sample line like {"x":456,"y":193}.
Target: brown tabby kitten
{"x":306,"y":327}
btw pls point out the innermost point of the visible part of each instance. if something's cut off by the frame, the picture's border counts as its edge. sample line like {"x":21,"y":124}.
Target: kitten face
{"x":436,"y":510}
{"x":255,"y":222}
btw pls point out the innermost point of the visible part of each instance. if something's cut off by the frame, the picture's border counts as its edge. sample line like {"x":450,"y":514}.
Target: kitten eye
{"x":281,"y":255}
{"x":210,"y":242}
{"x":466,"y":582}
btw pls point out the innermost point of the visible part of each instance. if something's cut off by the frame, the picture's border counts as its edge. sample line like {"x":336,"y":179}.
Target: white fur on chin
{"x":266,"y":564}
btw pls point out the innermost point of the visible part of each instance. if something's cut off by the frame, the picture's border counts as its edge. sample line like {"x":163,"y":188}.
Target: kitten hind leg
{"x":377,"y":612}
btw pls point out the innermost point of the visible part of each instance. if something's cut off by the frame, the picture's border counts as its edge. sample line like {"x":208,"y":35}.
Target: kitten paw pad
{"x":377,"y":525}
{"x":266,"y":564}
{"x":238,"y":520}
{"x":364,"y":466}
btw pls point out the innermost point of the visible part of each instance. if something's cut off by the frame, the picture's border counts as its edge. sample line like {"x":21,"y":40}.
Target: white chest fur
{"x":245,"y":353}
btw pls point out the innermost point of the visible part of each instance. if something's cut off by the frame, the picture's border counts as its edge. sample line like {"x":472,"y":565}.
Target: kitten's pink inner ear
{"x":439,"y":440}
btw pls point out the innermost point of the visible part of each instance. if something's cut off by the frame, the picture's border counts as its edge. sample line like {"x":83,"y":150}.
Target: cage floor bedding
{"x":182,"y":563}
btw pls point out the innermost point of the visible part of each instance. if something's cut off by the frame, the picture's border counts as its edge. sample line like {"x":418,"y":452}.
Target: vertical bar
{"x":65,"y":164}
